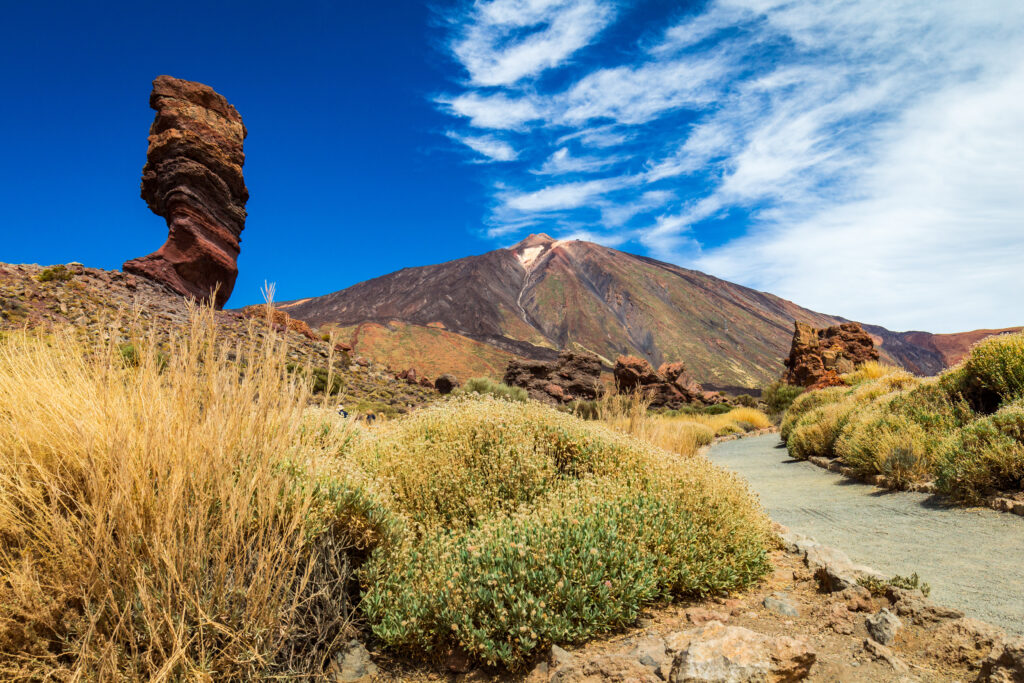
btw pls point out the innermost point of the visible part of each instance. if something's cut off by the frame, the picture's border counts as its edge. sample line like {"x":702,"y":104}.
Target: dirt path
{"x":973,"y":558}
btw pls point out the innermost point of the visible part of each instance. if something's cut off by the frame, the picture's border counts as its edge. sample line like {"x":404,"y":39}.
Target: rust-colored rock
{"x":193,"y":178}
{"x":279,"y":319}
{"x":668,"y":387}
{"x":818,"y":357}
{"x":632,"y":372}
{"x":574,"y":376}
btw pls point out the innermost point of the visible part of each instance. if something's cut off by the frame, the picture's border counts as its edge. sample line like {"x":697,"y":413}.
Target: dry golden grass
{"x":684,"y":434}
{"x":160,"y":518}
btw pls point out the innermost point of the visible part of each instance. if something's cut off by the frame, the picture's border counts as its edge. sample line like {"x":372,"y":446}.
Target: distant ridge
{"x":541,"y":295}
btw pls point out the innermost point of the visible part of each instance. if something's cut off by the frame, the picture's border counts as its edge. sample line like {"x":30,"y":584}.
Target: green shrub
{"x":878,"y":587}
{"x":985,"y":457}
{"x":815,"y":433}
{"x":997,"y":364}
{"x":745,"y":400}
{"x":805,"y":403}
{"x":717,"y":409}
{"x":488,"y":387}
{"x":527,"y":526}
{"x":586,"y":410}
{"x":58,"y":273}
{"x":778,"y":396}
{"x":129,"y":354}
{"x":881,"y":442}
{"x":508,"y":589}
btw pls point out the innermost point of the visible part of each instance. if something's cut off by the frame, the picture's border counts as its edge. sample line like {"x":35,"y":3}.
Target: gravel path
{"x":973,"y":558}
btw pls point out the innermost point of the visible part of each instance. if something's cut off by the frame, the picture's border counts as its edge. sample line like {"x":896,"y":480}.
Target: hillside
{"x":542,"y":295}
{"x":99,"y":304}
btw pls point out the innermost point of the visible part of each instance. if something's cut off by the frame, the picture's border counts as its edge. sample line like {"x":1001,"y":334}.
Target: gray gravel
{"x":973,"y":558}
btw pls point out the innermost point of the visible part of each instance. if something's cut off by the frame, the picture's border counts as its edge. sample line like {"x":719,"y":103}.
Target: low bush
{"x":486,"y":386}
{"x":805,"y":403}
{"x":879,"y":587}
{"x":58,"y":273}
{"x":745,"y":400}
{"x":815,"y":433}
{"x":997,"y":364}
{"x":528,"y":527}
{"x":985,"y":457}
{"x":778,"y":396}
{"x":871,"y":370}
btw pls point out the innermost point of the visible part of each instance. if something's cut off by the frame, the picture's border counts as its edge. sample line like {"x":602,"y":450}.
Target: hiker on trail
{"x":342,"y":411}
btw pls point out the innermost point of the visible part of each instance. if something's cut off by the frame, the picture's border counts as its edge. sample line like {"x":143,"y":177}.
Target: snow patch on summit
{"x":529,"y":255}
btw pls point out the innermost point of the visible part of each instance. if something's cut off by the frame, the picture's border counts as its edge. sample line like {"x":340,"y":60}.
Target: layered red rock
{"x":573,"y":376}
{"x":193,"y":178}
{"x":818,"y":357}
{"x":670,"y":386}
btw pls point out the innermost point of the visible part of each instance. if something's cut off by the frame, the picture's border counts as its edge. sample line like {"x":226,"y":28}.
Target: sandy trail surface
{"x":972,"y":558}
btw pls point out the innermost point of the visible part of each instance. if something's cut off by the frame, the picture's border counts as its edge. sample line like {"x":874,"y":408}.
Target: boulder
{"x":668,"y":387}
{"x":573,"y":376}
{"x":883,"y":626}
{"x":446,"y":383}
{"x":720,"y":653}
{"x":632,"y":372}
{"x":817,"y":357}
{"x":193,"y":179}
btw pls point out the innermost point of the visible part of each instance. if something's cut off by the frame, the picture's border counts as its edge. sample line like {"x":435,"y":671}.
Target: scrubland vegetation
{"x":964,"y":429}
{"x":186,"y":513}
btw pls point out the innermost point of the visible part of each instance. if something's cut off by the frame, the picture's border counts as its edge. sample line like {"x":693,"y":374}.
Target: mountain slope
{"x":543,"y":295}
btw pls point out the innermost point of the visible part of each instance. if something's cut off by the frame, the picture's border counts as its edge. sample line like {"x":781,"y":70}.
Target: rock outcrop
{"x":817,"y":357}
{"x":668,"y":387}
{"x":573,"y":376}
{"x":193,"y":178}
{"x":279,"y":319}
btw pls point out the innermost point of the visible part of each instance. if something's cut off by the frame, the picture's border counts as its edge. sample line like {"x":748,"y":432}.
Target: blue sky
{"x":861,"y":158}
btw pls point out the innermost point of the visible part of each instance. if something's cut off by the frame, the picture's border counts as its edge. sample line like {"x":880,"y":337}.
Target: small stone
{"x":353,"y":663}
{"x":857,"y":599}
{"x":559,"y":657}
{"x":698,"y":616}
{"x":883,"y":626}
{"x":839,"y":619}
{"x":716,"y":652}
{"x":780,"y":604}
{"x":882,"y":653}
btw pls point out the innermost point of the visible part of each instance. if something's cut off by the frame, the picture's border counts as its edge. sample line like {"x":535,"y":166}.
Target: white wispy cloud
{"x":487,"y":145}
{"x":495,"y":52}
{"x":860,"y":158}
{"x":561,"y":162}
{"x":493,"y":111}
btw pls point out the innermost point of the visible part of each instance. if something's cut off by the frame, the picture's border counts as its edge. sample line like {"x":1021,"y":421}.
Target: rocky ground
{"x":115,"y":307}
{"x":810,"y":620}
